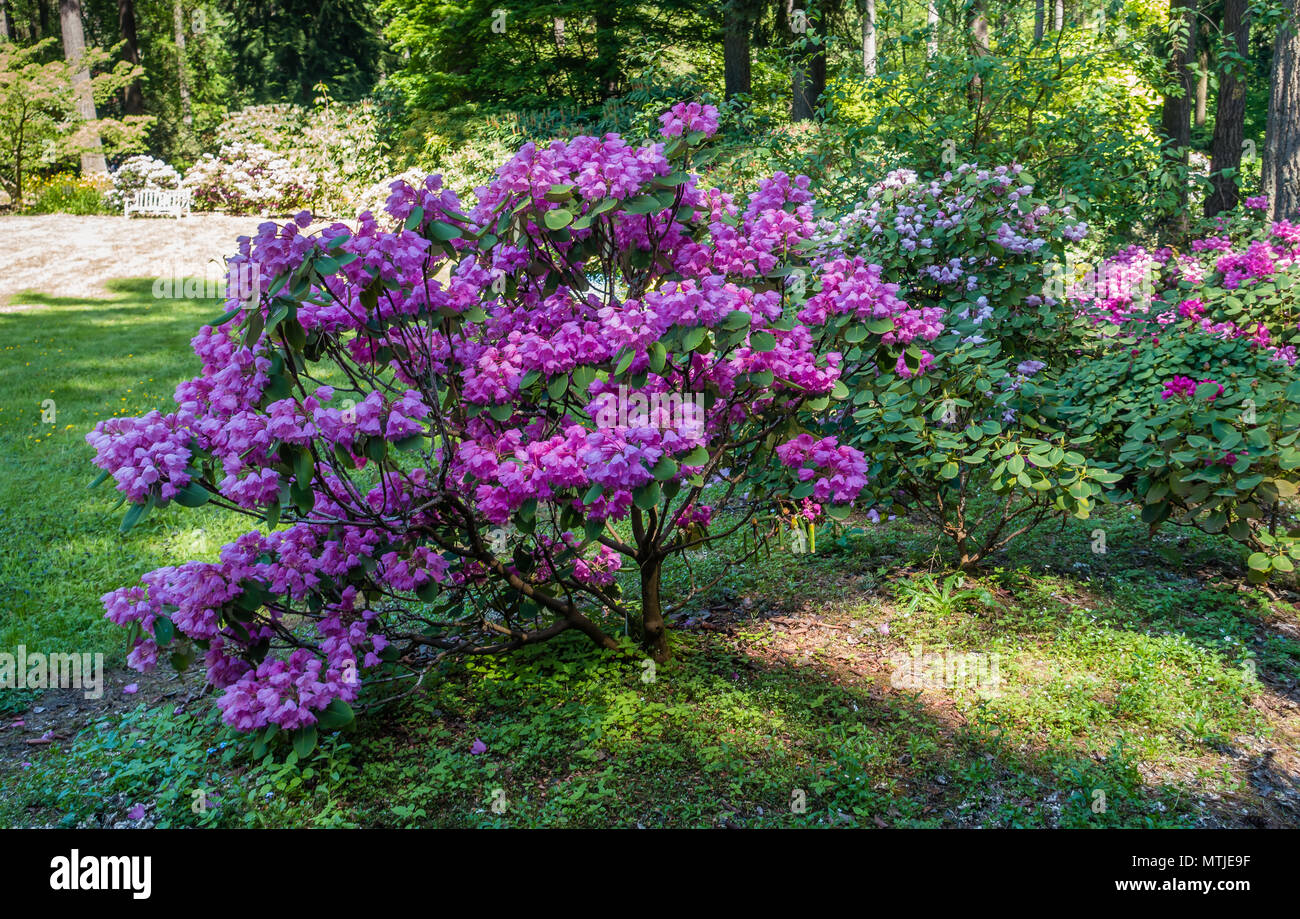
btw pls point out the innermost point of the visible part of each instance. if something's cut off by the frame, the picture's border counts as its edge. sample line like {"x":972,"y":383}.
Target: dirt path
{"x":66,"y":256}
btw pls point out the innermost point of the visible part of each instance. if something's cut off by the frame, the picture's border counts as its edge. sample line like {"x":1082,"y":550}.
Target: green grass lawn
{"x":1144,"y":686}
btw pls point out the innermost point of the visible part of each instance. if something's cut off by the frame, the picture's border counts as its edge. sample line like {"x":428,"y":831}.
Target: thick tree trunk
{"x":557,"y":27}
{"x":6,"y":34}
{"x":869,"y":38}
{"x":1202,"y":83}
{"x":74,"y":50}
{"x":654,"y":635}
{"x":735,"y":49}
{"x":1176,"y":112}
{"x":1040,"y":19}
{"x":132,"y":94}
{"x":182,"y":80}
{"x":1230,"y":110}
{"x":1282,"y":142}
{"x":1058,"y":15}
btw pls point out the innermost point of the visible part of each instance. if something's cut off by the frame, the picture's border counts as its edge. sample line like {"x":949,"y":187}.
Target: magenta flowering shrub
{"x":1237,"y":282}
{"x":1191,"y":387}
{"x":962,"y":429}
{"x":467,"y":434}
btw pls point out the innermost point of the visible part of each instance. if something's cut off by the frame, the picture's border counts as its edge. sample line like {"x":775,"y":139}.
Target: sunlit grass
{"x":93,"y":360}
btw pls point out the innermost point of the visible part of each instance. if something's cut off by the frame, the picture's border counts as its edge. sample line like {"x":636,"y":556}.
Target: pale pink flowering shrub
{"x":248,"y":178}
{"x":958,"y":270}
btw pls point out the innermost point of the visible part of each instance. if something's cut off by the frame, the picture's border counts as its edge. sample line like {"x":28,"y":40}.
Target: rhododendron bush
{"x":138,"y":173}
{"x":248,"y":178}
{"x":465,"y":434}
{"x":963,"y":430}
{"x":1192,"y":390}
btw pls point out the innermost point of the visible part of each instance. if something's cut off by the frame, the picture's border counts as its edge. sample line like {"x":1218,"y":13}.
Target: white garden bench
{"x":161,"y":202}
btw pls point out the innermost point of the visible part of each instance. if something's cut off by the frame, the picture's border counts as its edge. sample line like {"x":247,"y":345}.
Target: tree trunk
{"x":1230,"y":109}
{"x":1040,"y":19}
{"x":869,"y":38}
{"x":608,"y":51}
{"x":808,"y":74}
{"x":654,"y":636}
{"x":1176,"y":112}
{"x":132,"y":94}
{"x":182,"y":81}
{"x":557,"y":26}
{"x":931,"y":29}
{"x":1202,"y":84}
{"x":41,"y":22}
{"x":1282,"y":141}
{"x":735,"y":49}
{"x":1058,"y":15}
{"x":19,"y":26}
{"x":978,"y":26}
{"x":5,"y":33}
{"x":74,"y":50}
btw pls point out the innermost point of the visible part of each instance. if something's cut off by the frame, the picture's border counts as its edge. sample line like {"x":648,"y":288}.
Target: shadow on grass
{"x":724,"y":739}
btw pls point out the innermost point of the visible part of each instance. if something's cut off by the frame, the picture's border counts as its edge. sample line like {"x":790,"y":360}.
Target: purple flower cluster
{"x":480,"y":381}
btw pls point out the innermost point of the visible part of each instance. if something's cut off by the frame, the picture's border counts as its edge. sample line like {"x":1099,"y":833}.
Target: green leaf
{"x":226,"y":317}
{"x":163,"y":631}
{"x":136,"y":513}
{"x":647,"y":496}
{"x":643,"y":204}
{"x":665,"y":469}
{"x":444,"y":232}
{"x":338,"y":714}
{"x":193,"y":495}
{"x":762,"y":341}
{"x":558,"y":218}
{"x":697,"y":457}
{"x":412,"y":221}
{"x":304,"y":740}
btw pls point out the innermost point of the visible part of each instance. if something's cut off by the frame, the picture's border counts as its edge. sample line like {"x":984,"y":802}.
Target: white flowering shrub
{"x":336,"y":143}
{"x":138,"y":173}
